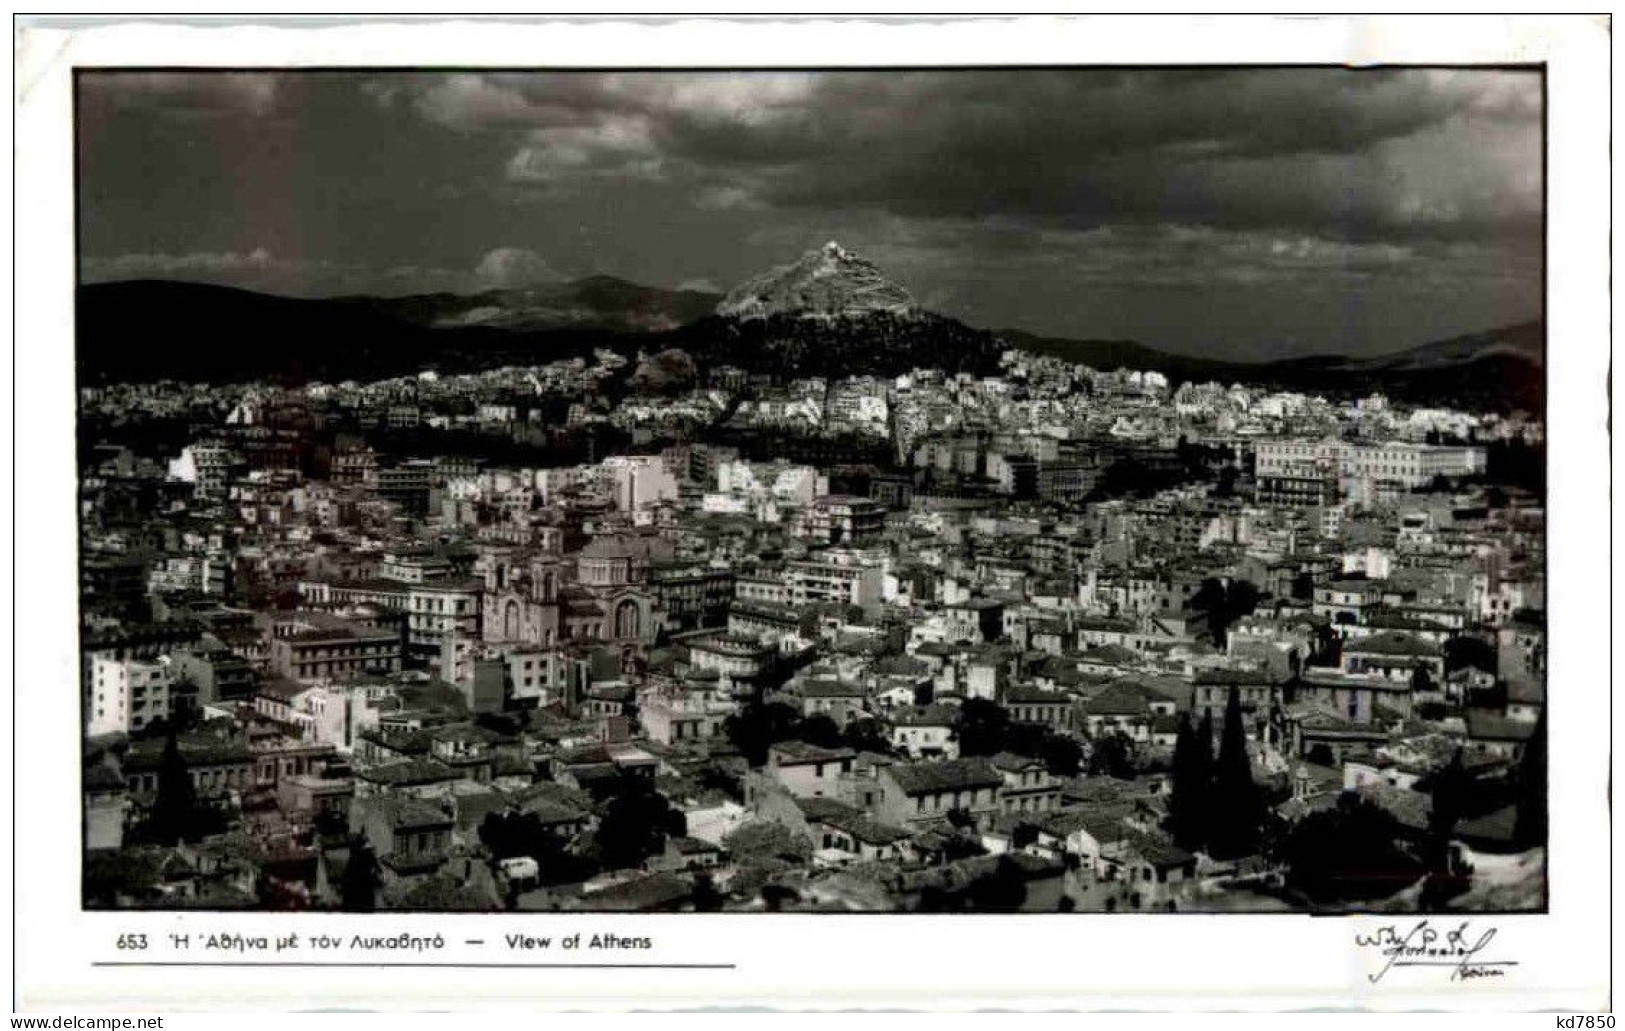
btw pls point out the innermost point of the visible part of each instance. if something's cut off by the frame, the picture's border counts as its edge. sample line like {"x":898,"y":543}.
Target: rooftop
{"x":925,"y":778}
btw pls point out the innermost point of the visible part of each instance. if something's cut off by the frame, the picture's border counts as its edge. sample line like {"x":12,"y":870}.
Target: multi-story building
{"x":737,"y":658}
{"x":127,"y":695}
{"x":407,"y":484}
{"x":439,"y":608}
{"x":671,"y":719}
{"x":638,"y":481}
{"x":810,"y":580}
{"x":1310,"y":488}
{"x":316,"y":645}
{"x":690,"y":597}
{"x":843,"y":519}
{"x":209,"y":468}
{"x":1395,"y":463}
{"x":922,"y":794}
{"x":808,"y":771}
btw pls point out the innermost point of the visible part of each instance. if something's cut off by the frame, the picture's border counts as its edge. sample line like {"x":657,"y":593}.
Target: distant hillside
{"x":148,"y":329}
{"x":597,"y":302}
{"x":1126,"y":354}
{"x":144,"y":330}
{"x":1496,"y":369}
{"x":879,"y":343}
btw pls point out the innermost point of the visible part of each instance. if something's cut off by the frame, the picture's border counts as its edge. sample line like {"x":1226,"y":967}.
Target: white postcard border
{"x":836,"y":961}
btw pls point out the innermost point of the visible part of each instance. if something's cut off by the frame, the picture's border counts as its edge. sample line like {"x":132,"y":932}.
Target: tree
{"x":514,"y":834}
{"x":1062,"y":755}
{"x":1188,"y":800}
{"x":962,"y":846}
{"x":669,"y":372}
{"x":1348,"y":853}
{"x":175,"y":812}
{"x":1450,"y":790}
{"x":867,"y":735}
{"x":707,"y":899}
{"x":331,"y":825}
{"x":1202,"y":758}
{"x":819,"y":730}
{"x":1422,"y":680}
{"x":764,"y":839}
{"x":1023,"y":739}
{"x":1238,"y":811}
{"x":1224,"y":602}
{"x":1529,"y":831}
{"x":758,"y":725}
{"x":1465,"y":650}
{"x":113,"y":878}
{"x":636,"y":822}
{"x":1004,"y":890}
{"x":982,"y":727}
{"x":774,"y":896}
{"x":359,"y":884}
{"x":1112,"y":756}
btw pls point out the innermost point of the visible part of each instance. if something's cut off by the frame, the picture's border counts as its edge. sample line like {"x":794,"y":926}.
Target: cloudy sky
{"x":1251,"y":213}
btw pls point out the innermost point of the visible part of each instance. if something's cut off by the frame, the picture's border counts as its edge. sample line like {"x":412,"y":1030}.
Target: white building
{"x":1396,"y":463}
{"x":639,"y":481}
{"x":127,"y":695}
{"x":206,"y":466}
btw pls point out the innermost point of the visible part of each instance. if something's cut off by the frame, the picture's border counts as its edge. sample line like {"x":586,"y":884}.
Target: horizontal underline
{"x":1457,"y":963}
{"x":522,"y":966}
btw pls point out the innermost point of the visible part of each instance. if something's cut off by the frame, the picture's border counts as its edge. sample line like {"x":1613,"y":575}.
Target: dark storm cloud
{"x":1165,"y":204}
{"x":1353,"y":154}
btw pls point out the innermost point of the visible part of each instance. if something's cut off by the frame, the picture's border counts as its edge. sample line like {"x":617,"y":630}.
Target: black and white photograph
{"x":1075,"y":491}
{"x":516,"y":503}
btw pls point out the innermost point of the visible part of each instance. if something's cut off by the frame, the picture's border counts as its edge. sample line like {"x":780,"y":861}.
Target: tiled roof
{"x":826,"y":688}
{"x":1239,"y":677}
{"x":651,"y":892}
{"x":928,"y":716}
{"x":802,"y":752}
{"x":1013,"y":762}
{"x":1124,"y":698}
{"x":406,"y":772}
{"x":945,"y":775}
{"x":1028,"y":694}
{"x":1112,"y":654}
{"x":406,"y":811}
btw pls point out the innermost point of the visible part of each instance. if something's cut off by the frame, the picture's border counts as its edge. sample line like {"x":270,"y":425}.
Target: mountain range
{"x":830,"y":312}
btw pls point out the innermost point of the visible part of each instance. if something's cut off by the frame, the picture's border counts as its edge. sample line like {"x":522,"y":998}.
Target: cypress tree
{"x":1449,"y":796}
{"x":1188,"y":799}
{"x":175,"y":809}
{"x":1202,"y":776}
{"x":1179,"y":791}
{"x":1237,"y":810}
{"x":1530,"y":829}
{"x":1450,"y":787}
{"x":358,"y":885}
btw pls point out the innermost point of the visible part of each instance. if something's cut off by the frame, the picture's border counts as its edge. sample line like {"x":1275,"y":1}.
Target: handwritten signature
{"x":1458,"y":949}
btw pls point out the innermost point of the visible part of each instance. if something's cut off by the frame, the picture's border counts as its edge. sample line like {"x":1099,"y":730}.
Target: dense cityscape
{"x":687,"y":628}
